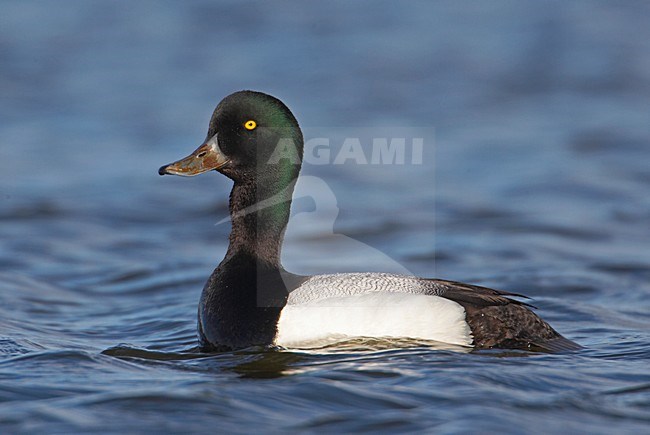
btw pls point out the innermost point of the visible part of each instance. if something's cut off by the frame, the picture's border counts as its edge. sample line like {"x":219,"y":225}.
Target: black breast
{"x":241,"y":303}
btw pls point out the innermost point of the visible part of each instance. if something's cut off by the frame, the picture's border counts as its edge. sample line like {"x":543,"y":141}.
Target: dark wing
{"x":475,"y":294}
{"x":497,"y":321}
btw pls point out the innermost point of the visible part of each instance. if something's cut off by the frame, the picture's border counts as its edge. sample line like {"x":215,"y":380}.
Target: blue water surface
{"x":534,"y":179}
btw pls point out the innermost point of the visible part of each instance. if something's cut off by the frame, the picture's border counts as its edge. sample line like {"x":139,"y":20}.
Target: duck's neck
{"x":259,"y":214}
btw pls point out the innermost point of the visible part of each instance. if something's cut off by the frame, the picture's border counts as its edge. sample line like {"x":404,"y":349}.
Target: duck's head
{"x":252,"y":137}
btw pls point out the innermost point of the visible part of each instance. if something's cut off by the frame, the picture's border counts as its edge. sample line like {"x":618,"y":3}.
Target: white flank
{"x":377,"y":314}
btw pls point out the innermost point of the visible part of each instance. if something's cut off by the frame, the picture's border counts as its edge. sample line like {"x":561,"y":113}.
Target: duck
{"x":251,"y":300}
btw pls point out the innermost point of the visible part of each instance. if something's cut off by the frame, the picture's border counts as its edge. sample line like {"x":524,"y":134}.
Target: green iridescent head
{"x":252,"y":138}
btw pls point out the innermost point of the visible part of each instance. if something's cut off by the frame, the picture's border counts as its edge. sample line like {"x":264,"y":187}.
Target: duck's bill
{"x":205,"y":158}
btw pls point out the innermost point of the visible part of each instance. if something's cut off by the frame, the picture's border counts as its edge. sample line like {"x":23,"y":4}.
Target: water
{"x":538,"y":183}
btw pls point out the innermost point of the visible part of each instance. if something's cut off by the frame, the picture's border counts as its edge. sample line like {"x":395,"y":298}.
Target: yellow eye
{"x":250,"y":125}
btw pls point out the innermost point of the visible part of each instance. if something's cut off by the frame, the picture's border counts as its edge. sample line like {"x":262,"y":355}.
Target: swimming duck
{"x":250,"y":299}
